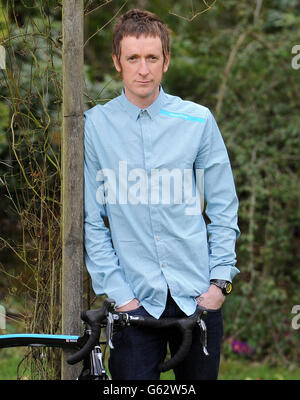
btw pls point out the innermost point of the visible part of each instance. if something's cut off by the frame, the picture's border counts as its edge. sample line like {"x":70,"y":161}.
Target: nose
{"x":143,"y":67}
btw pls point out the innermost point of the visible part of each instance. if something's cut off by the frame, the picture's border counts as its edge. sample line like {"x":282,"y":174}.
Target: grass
{"x":243,"y":369}
{"x":230,"y":369}
{"x":9,"y":360}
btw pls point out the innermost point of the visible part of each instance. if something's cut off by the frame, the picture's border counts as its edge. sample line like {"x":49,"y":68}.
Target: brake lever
{"x":203,"y":335}
{"x":203,"y":330}
{"x":108,"y":333}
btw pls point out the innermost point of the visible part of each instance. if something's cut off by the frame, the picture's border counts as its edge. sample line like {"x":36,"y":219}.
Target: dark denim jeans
{"x":138,"y":351}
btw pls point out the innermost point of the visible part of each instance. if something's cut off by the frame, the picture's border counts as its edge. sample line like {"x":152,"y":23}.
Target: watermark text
{"x":296,"y":59}
{"x":157,"y":186}
{"x":296,"y":319}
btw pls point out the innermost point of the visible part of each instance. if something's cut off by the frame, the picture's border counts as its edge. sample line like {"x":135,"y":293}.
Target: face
{"x":142,"y":66}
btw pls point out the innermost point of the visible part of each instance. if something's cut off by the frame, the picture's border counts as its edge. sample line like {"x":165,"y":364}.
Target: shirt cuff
{"x":124,"y":303}
{"x":223,"y":272}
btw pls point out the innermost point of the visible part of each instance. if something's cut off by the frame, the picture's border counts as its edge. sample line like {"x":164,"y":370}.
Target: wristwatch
{"x":225,"y":286}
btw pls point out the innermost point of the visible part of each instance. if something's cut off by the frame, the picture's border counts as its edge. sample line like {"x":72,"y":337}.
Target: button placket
{"x":145,"y":123}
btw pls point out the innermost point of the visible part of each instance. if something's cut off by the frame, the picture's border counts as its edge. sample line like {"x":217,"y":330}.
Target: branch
{"x":107,"y":23}
{"x":257,"y":11}
{"x":229,"y":65}
{"x":208,"y":7}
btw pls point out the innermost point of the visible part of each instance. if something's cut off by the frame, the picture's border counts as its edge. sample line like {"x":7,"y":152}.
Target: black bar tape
{"x":93,"y":318}
{"x":185,"y":325}
{"x":87,"y":348}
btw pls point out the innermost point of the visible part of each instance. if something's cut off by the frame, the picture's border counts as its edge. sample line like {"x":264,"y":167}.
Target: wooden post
{"x":72,"y":174}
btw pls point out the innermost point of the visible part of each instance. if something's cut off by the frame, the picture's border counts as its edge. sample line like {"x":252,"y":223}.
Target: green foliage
{"x":236,"y":59}
{"x":30,"y":172}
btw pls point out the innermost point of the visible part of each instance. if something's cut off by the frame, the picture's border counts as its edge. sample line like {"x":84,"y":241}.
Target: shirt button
{"x":157,"y":237}
{"x":163,"y":264}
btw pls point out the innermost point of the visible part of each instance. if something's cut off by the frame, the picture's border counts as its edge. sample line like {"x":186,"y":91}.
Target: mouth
{"x":143,"y":82}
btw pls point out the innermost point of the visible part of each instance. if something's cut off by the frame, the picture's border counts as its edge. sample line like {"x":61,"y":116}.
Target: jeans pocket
{"x":120,"y":336}
{"x":137,"y":311}
{"x":132,"y":311}
{"x":209,"y":309}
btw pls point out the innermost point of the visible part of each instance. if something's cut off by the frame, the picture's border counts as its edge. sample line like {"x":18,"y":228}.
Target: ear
{"x":116,"y":63}
{"x":167,"y":62}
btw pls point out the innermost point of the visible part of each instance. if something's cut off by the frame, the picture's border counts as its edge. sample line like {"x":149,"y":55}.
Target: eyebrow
{"x":137,"y":55}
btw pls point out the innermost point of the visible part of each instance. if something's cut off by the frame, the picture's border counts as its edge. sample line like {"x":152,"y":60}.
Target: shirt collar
{"x":135,"y":111}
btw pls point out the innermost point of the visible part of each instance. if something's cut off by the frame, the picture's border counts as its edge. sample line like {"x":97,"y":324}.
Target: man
{"x":155,"y":258}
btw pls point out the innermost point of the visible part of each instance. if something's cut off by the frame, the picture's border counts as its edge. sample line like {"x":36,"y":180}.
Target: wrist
{"x":124,"y":304}
{"x":128,"y":306}
{"x":215,"y":290}
{"x":223,"y":285}
{"x":212,"y":299}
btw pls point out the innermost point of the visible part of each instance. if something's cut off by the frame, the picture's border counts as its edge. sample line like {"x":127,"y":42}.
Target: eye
{"x":132,"y":58}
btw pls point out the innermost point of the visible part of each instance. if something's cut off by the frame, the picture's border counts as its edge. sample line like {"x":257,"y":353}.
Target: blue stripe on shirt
{"x":181,"y":115}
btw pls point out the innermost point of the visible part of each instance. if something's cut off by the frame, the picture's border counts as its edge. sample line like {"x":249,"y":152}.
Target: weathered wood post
{"x":72,"y":173}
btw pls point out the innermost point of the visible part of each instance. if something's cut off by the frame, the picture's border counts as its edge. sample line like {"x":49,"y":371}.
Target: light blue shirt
{"x":141,"y":169}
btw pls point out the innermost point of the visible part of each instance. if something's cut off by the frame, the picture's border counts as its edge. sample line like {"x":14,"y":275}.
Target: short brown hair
{"x":139,"y":22}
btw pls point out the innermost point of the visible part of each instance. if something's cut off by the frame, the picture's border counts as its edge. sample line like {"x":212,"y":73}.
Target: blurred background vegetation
{"x":234,"y":57}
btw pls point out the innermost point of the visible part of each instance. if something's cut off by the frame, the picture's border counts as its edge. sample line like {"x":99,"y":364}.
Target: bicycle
{"x":88,"y":346}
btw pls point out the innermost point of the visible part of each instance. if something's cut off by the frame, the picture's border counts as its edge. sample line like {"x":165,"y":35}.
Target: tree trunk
{"x":72,"y":174}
